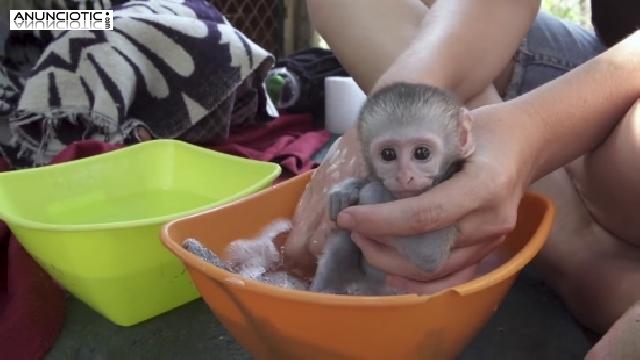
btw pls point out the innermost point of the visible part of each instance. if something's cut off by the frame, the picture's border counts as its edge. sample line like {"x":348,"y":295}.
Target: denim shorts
{"x":551,"y":48}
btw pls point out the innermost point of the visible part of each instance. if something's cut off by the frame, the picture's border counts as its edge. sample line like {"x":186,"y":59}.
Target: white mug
{"x":342,"y":101}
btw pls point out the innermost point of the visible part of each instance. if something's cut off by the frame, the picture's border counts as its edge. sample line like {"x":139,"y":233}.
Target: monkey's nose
{"x":404,"y":179}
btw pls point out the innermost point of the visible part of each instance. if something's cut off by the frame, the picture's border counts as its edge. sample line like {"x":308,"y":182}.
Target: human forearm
{"x":573,"y":114}
{"x":462,"y":45}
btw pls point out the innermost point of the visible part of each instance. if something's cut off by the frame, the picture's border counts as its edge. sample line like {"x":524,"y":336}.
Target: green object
{"x":94,"y":224}
{"x":275,"y":83}
{"x":283,"y":87}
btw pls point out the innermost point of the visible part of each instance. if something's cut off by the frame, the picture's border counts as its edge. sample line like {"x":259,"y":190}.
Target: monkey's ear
{"x":464,"y":134}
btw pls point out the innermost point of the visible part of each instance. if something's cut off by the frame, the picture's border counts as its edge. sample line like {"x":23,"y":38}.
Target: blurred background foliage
{"x":578,"y":11}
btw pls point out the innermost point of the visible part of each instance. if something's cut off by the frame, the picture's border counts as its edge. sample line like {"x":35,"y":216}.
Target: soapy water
{"x":259,"y":259}
{"x":263,"y":267}
{"x":255,"y":259}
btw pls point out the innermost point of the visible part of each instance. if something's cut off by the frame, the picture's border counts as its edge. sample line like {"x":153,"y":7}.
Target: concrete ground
{"x":531,"y":323}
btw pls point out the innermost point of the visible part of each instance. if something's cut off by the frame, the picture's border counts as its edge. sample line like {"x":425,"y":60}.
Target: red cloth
{"x":32,"y":305}
{"x":290,"y":140}
{"x":83,"y":149}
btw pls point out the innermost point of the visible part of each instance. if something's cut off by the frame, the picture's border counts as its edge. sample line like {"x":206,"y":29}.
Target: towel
{"x":290,"y":140}
{"x":174,"y":68}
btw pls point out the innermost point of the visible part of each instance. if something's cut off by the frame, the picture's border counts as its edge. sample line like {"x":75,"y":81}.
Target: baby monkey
{"x":413,"y":137}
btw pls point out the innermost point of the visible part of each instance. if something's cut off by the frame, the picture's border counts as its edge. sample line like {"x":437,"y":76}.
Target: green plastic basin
{"x":93,"y":224}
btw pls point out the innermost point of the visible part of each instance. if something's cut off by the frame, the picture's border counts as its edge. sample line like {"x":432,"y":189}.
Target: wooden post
{"x":298,"y":31}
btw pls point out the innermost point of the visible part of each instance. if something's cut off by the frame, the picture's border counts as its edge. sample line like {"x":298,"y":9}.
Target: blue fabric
{"x":551,"y":48}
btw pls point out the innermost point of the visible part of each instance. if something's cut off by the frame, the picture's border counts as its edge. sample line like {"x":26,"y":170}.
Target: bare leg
{"x":375,"y":37}
{"x":592,"y":257}
{"x":609,"y":179}
{"x":594,"y":272}
{"x":622,"y":341}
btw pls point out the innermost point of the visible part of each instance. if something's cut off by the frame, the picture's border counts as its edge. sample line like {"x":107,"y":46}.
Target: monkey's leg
{"x":372,"y":284}
{"x":339,"y":264}
{"x":344,"y":194}
{"x":427,"y":251}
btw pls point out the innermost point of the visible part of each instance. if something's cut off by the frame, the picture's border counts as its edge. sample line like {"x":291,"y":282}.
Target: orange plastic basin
{"x":275,"y":323}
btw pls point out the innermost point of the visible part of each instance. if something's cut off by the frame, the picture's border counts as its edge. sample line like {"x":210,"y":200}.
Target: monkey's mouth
{"x":409,"y":190}
{"x":403,"y":194}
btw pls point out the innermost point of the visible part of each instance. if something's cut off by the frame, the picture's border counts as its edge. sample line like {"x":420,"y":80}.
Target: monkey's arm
{"x":426,"y":251}
{"x":343,"y":195}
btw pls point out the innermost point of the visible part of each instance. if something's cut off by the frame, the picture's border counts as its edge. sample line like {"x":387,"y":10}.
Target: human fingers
{"x":306,"y":217}
{"x":311,"y":222}
{"x":297,"y":252}
{"x":488,"y":222}
{"x":436,"y":208}
{"x":318,"y":237}
{"x":497,"y":211}
{"x":309,"y":225}
{"x":424,"y":288}
{"x":389,"y":260}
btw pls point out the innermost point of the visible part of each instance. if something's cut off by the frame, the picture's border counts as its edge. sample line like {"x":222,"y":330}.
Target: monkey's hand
{"x":427,"y":251}
{"x":344,"y":194}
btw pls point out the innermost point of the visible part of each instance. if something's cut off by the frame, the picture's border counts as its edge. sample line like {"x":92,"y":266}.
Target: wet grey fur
{"x":342,"y":268}
{"x":277,"y":278}
{"x":195,"y":247}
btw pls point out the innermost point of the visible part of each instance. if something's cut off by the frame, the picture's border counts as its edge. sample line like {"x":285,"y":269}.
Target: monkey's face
{"x":407,"y":164}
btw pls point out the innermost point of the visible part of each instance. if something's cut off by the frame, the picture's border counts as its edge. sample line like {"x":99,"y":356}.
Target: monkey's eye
{"x":388,"y":154}
{"x":421,"y":153}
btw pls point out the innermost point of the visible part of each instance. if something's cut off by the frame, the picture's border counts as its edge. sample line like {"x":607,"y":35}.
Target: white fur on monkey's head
{"x":403,"y":105}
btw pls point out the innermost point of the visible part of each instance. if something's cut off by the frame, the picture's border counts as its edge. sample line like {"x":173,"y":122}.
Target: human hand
{"x":481,"y":201}
{"x":311,"y":223}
